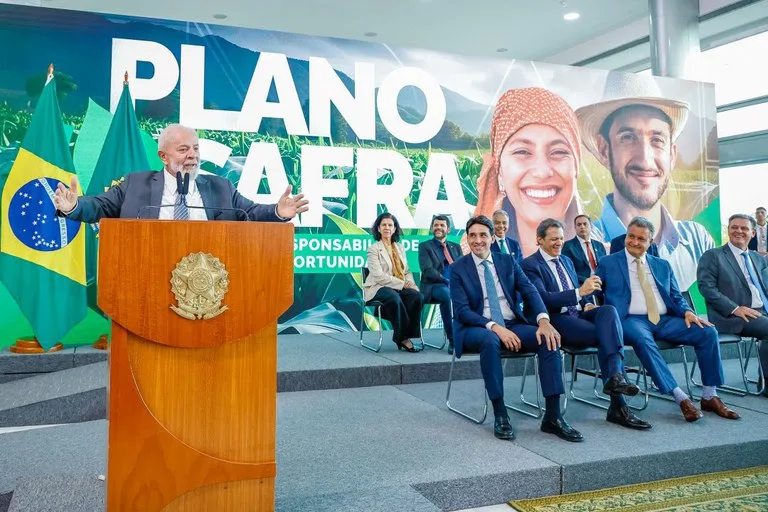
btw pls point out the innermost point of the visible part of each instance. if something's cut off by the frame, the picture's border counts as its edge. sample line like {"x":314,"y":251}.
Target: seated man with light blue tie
{"x":734,"y":281}
{"x":435,"y":259}
{"x":501,"y":242}
{"x":644,"y":292}
{"x":579,"y":320}
{"x":487,"y":320}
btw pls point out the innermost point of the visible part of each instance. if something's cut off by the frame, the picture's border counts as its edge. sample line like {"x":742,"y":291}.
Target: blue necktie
{"x":180,"y":210}
{"x":493,"y":298}
{"x":503,"y":246}
{"x":572,"y":310}
{"x":754,"y":279}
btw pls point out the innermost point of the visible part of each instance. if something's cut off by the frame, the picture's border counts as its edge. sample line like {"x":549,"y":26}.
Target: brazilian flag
{"x":42,"y":257}
{"x":123,"y":152}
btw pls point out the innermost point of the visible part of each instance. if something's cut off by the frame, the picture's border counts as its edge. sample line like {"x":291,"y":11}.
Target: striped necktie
{"x":180,"y":209}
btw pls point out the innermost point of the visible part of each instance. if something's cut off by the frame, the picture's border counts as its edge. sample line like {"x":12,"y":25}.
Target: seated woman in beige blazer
{"x":391,"y":282}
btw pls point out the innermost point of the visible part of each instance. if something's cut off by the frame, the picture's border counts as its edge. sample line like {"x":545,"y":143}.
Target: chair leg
{"x":445,"y":338}
{"x":760,"y":381}
{"x":595,"y":373}
{"x":726,"y":388}
{"x":535,"y":406}
{"x":381,"y":332}
{"x":457,"y":411}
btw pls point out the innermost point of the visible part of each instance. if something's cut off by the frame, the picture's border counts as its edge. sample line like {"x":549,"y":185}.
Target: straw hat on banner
{"x":621,"y":90}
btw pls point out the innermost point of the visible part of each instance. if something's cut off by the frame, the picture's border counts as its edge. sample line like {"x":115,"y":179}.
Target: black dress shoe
{"x":619,"y":385}
{"x":561,"y":429}
{"x":502,"y":429}
{"x":626,"y":418}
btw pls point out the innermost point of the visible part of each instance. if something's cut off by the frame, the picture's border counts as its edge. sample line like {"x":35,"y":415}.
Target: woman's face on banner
{"x":538,"y":172}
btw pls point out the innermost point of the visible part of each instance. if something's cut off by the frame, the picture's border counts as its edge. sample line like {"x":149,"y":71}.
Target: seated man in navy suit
{"x":487,"y":320}
{"x":435,"y":258}
{"x":644,"y":292}
{"x":583,"y":251}
{"x":578,"y":319}
{"x":501,"y":242}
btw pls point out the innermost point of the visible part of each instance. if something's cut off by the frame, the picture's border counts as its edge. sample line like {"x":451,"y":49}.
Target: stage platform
{"x":385,"y":442}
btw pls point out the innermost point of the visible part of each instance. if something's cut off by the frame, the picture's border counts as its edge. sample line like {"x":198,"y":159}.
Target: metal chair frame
{"x":377,"y":306}
{"x":445,"y":335}
{"x":505,"y":355}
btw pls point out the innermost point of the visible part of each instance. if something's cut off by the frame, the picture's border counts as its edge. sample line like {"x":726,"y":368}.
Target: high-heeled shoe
{"x":400,"y":347}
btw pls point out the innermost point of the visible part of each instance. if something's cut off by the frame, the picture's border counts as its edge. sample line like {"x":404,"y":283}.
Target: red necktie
{"x":447,"y":253}
{"x":592,"y":262}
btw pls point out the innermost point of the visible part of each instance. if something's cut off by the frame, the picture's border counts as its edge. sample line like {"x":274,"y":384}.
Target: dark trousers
{"x":441,"y":295}
{"x":599,"y":327}
{"x":640,"y":334}
{"x":484,"y":341}
{"x":758,"y":328}
{"x":403,"y":310}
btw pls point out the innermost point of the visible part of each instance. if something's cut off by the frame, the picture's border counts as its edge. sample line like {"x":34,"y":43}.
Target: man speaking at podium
{"x":178,"y":193}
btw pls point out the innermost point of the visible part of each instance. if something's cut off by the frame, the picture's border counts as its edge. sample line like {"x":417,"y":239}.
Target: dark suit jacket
{"x":467,"y":294}
{"x":431,"y":259}
{"x":572,"y":249}
{"x":538,"y":272}
{"x":514,"y":249}
{"x":617,"y":244}
{"x":140,"y":189}
{"x":613,"y":270}
{"x":724,"y":286}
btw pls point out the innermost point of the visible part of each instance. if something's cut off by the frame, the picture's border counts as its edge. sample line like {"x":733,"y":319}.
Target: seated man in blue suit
{"x":501,"y":242}
{"x":583,"y":251}
{"x":644,"y":292}
{"x":487,"y":320}
{"x":578,"y":319}
{"x":435,"y":258}
{"x":142,"y":193}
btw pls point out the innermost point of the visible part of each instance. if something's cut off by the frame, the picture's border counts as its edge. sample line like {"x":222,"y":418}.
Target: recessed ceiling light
{"x":370,"y":34}
{"x":220,"y":16}
{"x":571,"y":16}
{"x":501,"y":50}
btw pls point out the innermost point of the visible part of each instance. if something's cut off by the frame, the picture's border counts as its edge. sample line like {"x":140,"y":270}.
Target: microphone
{"x":206,"y":208}
{"x":182,"y":182}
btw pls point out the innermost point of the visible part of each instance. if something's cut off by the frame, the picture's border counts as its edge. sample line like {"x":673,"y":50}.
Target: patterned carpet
{"x":745,"y":490}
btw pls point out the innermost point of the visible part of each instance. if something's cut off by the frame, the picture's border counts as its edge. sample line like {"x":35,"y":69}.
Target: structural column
{"x":674,"y":30}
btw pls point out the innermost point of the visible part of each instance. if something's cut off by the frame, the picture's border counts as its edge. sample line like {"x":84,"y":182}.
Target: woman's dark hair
{"x":375,"y":228}
{"x":480,"y":219}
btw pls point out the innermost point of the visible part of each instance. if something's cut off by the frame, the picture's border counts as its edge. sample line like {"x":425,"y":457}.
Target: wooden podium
{"x":191,"y":402}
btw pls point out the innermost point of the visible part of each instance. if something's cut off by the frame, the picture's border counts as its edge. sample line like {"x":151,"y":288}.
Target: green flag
{"x":123,"y":153}
{"x":42,"y":257}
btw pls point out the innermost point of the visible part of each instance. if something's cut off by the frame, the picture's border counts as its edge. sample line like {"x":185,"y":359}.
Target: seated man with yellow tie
{"x":435,"y":259}
{"x":646,"y":296}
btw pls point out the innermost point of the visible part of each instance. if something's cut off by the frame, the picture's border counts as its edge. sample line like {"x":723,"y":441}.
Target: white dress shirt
{"x":761,"y":233}
{"x":737,"y":253}
{"x":583,"y":243}
{"x":170,"y":196}
{"x":506,"y":310}
{"x":553,"y":268}
{"x":637,"y":305}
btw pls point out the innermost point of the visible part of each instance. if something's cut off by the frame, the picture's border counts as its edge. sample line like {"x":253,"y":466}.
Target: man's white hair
{"x":165,"y":135}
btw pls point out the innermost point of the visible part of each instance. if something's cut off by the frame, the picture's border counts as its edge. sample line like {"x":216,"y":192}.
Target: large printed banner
{"x":361,"y":128}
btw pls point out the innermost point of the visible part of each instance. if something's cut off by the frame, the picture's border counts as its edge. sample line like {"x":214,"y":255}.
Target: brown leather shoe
{"x":717,"y":406}
{"x":690,"y":412}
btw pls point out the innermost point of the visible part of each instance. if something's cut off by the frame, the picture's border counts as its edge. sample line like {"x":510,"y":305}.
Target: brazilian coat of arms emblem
{"x":199,"y":283}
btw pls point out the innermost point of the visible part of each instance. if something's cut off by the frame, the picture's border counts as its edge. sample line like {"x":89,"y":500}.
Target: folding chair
{"x":445,"y":335}
{"x":728,"y":339}
{"x":594,"y":371}
{"x":505,"y":355}
{"x":376,"y":305}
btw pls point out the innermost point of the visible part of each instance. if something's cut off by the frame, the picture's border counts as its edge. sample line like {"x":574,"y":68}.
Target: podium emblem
{"x":199,"y":283}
